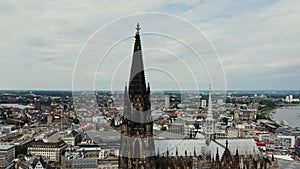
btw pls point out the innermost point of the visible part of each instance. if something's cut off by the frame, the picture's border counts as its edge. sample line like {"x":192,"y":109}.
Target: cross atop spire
{"x":138,"y":28}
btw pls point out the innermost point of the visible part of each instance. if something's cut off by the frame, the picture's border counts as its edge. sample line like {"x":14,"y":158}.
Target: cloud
{"x":253,"y":43}
{"x":41,"y":39}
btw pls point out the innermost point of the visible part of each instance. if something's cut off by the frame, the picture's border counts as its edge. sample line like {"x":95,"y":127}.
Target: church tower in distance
{"x":137,"y":144}
{"x":209,"y":129}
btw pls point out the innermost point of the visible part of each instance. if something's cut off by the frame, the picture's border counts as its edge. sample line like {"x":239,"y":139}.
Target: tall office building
{"x":167,"y":101}
{"x":7,"y":152}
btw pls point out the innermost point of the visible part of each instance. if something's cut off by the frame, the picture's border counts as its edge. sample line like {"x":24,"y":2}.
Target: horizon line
{"x":151,"y":90}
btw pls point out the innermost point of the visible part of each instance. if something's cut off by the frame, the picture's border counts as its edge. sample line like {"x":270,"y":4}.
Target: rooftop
{"x":244,"y":146}
{"x":5,"y":147}
{"x":85,"y":162}
{"x":182,"y":146}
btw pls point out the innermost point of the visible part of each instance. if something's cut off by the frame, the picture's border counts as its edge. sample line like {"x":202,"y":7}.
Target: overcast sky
{"x":256,"y":42}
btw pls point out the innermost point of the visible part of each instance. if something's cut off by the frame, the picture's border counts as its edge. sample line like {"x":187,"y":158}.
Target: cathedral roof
{"x":167,"y":135}
{"x":245,"y":146}
{"x":111,"y":134}
{"x":183,"y":146}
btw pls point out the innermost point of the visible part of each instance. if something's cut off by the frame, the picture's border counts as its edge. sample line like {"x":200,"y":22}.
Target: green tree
{"x":163,"y":128}
{"x":9,"y":113}
{"x":76,"y":121}
{"x":20,"y":149}
{"x":225,"y":119}
{"x":173,"y":116}
{"x":261,"y":116}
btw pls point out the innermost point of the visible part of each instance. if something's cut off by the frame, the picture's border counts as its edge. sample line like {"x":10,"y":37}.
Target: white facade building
{"x":284,"y":142}
{"x":203,"y":103}
{"x":291,"y":99}
{"x":51,"y":150}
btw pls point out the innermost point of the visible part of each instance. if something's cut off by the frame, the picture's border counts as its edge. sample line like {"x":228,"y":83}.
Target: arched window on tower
{"x":137,"y":149}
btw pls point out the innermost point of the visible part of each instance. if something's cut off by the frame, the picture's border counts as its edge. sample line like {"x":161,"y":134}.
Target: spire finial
{"x":167,"y":152}
{"x":226,"y":143}
{"x":138,"y":28}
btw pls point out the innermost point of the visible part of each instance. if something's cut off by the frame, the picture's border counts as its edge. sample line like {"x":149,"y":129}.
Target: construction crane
{"x":70,"y":114}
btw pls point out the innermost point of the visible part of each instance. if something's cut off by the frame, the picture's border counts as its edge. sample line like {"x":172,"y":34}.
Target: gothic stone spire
{"x":137,"y":144}
{"x":137,"y":82}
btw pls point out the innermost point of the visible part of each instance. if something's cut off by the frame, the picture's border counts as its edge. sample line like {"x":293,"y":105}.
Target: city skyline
{"x":256,"y":41}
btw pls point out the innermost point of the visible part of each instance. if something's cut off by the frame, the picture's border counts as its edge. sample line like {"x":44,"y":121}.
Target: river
{"x":289,"y":114}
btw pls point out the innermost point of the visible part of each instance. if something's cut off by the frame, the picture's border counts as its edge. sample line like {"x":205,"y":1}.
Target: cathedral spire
{"x":137,"y":81}
{"x":137,"y":147}
{"x":148,"y":90}
{"x":237,"y":158}
{"x":209,"y":111}
{"x":125,"y":102}
{"x":217,"y":155}
{"x":209,"y":122}
{"x":167,"y":152}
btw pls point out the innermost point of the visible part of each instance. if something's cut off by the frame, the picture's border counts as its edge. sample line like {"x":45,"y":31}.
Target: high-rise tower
{"x":137,"y":144}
